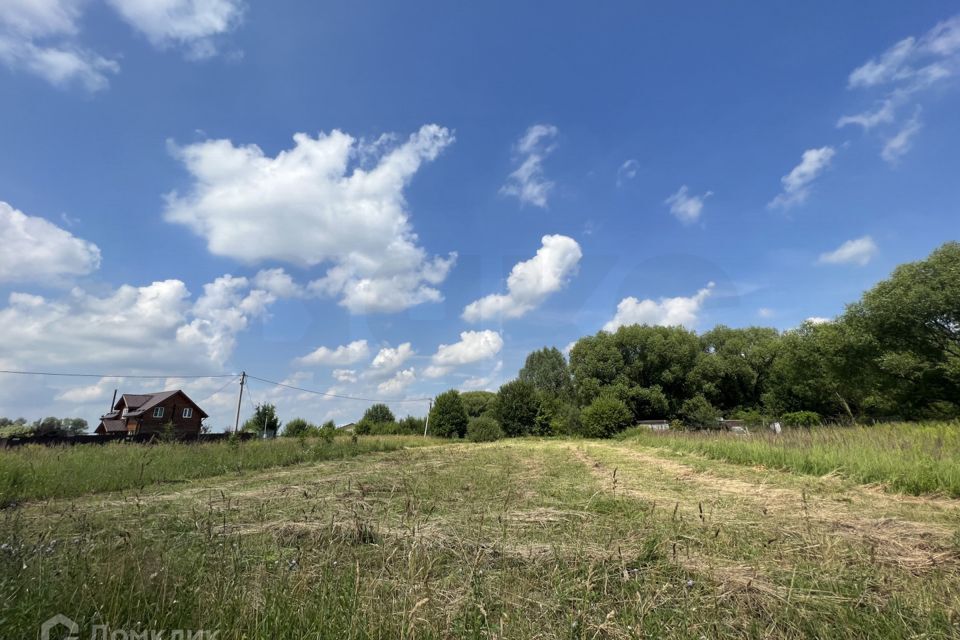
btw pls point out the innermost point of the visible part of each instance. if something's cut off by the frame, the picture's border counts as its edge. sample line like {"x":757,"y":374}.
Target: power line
{"x":333,"y":395}
{"x":109,"y":375}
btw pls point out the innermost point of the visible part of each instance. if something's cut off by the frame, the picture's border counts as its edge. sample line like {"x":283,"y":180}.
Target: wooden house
{"x":149,"y":413}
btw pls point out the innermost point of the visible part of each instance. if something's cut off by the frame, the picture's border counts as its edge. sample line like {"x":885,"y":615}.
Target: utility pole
{"x":426,"y":424}
{"x":243,"y":377}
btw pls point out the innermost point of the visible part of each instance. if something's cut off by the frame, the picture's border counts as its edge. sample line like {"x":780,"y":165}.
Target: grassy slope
{"x":34,"y":471}
{"x":527,"y":538}
{"x":908,"y":458}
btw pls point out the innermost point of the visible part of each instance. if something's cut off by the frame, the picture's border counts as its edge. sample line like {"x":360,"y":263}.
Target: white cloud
{"x":192,"y":24}
{"x":667,"y":312}
{"x":766,"y":312}
{"x":398,"y":383}
{"x":898,"y":145}
{"x":485,"y":383}
{"x":530,"y":282}
{"x":904,"y":72}
{"x":817,"y":320}
{"x":343,"y":355}
{"x":687,"y":208}
{"x":796,"y":184}
{"x":137,"y":329}
{"x":627,"y":171}
{"x":311,"y":205}
{"x":279,"y":283}
{"x":916,"y":61}
{"x":389,"y":359}
{"x":528,"y":182}
{"x":884,"y":114}
{"x":859,"y":251}
{"x":345,"y":375}
{"x":473,"y":346}
{"x":36,"y":250}
{"x":38,"y":36}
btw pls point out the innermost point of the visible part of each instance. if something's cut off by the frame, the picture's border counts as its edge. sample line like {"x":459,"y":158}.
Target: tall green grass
{"x":36,"y":472}
{"x":904,"y":457}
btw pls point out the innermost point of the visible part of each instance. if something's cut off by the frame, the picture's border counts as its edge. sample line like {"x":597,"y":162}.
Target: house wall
{"x":172,"y":413}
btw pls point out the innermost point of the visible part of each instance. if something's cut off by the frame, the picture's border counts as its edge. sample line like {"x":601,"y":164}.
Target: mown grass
{"x":517,"y":539}
{"x":34,"y":472}
{"x":908,"y":458}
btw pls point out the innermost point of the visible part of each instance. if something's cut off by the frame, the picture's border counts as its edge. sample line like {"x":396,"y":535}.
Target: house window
{"x":158,"y":412}
{"x":188,"y":413}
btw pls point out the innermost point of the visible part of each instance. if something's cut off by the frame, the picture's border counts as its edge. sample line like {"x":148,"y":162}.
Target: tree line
{"x":893,"y":354}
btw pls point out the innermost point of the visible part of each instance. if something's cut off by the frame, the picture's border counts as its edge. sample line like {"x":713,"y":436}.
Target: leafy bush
{"x":16,"y":431}
{"x":697,"y":412}
{"x":298,"y":427}
{"x":411,"y":425}
{"x":557,"y":416}
{"x":484,"y":429}
{"x":517,"y":408}
{"x":605,"y":416}
{"x":801,"y":419}
{"x":448,"y":419}
{"x":328,"y":430}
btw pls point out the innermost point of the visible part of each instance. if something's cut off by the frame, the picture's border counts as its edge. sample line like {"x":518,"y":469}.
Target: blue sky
{"x":696,"y":164}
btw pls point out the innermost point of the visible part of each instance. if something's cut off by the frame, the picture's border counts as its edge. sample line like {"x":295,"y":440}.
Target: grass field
{"x":518,"y":539}
{"x":907,"y":457}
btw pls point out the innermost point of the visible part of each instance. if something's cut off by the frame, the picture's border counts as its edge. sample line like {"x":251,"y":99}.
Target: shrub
{"x":517,"y":408}
{"x":298,"y":427}
{"x":605,"y":416}
{"x":801,"y":419}
{"x":484,"y":429}
{"x":697,"y":412}
{"x":328,"y":431}
{"x":448,"y":418}
{"x":411,"y":426}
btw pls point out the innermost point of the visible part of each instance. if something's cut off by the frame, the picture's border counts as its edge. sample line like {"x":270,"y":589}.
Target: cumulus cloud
{"x":191,"y":24}
{"x":137,"y":329}
{"x":859,"y":251}
{"x":485,"y":383}
{"x":685,"y":206}
{"x":389,"y":359}
{"x":343,"y":355}
{"x":398,"y":383}
{"x":667,"y":312}
{"x":36,"y":250}
{"x":530,"y":282}
{"x":817,"y":320}
{"x":313,"y":205}
{"x":903,"y":73}
{"x":528,"y":182}
{"x":279,"y":283}
{"x":796,"y":184}
{"x":474,"y":346}
{"x":899,"y":144}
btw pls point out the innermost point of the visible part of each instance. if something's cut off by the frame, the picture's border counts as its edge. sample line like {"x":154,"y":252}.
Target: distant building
{"x":655,"y":425}
{"x":148,"y":413}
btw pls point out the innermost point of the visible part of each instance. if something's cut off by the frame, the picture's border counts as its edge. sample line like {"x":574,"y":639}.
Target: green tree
{"x":547,"y":371}
{"x":647,"y":403}
{"x":478,"y":403}
{"x":914,"y":319}
{"x":378,"y":413}
{"x":736,"y":365}
{"x":264,"y":420}
{"x":298,"y":427}
{"x":604,"y":417}
{"x":448,"y":418}
{"x":517,"y":408}
{"x":595,"y":362}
